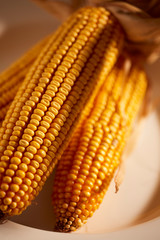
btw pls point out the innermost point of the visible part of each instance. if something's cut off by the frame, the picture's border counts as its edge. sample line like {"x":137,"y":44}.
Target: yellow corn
{"x":47,"y":108}
{"x":88,"y":164}
{"x":12,"y":77}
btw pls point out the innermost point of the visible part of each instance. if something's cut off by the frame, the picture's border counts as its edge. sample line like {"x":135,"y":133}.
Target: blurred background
{"x":22,"y":24}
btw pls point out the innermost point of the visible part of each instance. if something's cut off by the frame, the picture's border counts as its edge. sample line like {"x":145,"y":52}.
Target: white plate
{"x":134,"y":212}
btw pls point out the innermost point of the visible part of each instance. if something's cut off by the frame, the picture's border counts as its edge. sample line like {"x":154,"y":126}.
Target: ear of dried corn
{"x":47,"y":106}
{"x":88,"y":164}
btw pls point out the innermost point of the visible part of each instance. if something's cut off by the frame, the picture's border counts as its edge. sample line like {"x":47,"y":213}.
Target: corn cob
{"x":11,"y":78}
{"x":87,"y":166}
{"x":47,"y":107}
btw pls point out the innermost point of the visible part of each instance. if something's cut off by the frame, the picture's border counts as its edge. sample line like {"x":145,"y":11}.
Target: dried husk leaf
{"x":142,"y":31}
{"x":152,"y":7}
{"x":119,"y":177}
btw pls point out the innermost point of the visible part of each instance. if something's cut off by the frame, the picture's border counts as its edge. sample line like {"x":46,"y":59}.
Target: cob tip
{"x":63,"y":227}
{"x":67,"y":225}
